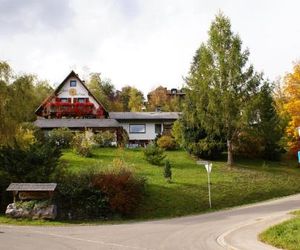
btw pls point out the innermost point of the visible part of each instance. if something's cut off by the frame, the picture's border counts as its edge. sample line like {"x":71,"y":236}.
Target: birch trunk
{"x":229,"y":153}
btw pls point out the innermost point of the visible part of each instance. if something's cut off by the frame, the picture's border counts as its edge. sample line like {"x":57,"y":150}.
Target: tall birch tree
{"x":221,"y":83}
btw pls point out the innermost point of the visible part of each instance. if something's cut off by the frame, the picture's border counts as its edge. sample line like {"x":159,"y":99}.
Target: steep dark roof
{"x":55,"y":92}
{"x":31,"y":187}
{"x":144,"y":115}
{"x":77,"y":123}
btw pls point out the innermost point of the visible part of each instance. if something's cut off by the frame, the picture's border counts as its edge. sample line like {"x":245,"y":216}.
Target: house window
{"x":64,"y":99}
{"x":137,"y":128}
{"x":73,"y":83}
{"x":174,"y":91}
{"x":81,"y":100}
{"x":157,"y":128}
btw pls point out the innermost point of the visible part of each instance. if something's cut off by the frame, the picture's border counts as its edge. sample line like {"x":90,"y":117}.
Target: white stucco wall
{"x":81,"y":91}
{"x":150,"y":130}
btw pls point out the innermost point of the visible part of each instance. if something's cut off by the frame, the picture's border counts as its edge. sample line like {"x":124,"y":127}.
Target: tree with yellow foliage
{"x":292,"y":108}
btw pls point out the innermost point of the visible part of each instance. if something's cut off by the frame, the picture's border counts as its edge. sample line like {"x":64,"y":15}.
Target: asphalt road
{"x":230,"y":229}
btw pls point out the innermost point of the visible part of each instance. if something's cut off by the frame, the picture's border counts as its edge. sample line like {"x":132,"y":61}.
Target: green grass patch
{"x":248,"y":182}
{"x":285,"y":235}
{"x":30,"y":222}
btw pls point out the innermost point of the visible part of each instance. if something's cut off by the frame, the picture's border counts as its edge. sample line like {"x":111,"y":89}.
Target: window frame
{"x":140,"y":124}
{"x":64,"y":100}
{"x":73,"y":82}
{"x":81,"y":98}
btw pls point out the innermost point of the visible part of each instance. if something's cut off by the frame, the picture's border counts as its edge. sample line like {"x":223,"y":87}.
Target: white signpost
{"x":208,"y":167}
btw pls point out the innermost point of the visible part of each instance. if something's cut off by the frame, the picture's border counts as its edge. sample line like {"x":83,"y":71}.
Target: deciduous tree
{"x":136,"y":100}
{"x":292,"y":107}
{"x":221,"y":83}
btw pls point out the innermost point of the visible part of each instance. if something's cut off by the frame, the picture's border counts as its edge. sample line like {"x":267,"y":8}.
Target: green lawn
{"x":248,"y":182}
{"x":285,"y":235}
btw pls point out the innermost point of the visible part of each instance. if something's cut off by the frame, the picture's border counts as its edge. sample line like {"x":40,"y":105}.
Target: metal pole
{"x":208,"y":182}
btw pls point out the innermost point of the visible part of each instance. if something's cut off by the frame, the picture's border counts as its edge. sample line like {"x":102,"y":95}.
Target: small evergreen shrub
{"x":166,"y":142}
{"x":61,"y":137}
{"x":82,"y":144}
{"x":177,"y":133}
{"x":104,"y":139}
{"x":122,"y":189}
{"x":153,"y":154}
{"x":167,"y":171}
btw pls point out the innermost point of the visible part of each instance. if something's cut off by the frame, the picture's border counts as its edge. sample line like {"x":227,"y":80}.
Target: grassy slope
{"x":285,"y":235}
{"x":248,"y":182}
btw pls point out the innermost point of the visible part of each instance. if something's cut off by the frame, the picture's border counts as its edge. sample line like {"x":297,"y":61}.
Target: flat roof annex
{"x":144,"y":115}
{"x":77,"y":123}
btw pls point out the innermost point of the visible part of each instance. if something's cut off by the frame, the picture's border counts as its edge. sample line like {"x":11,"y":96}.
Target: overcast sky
{"x":139,"y":42}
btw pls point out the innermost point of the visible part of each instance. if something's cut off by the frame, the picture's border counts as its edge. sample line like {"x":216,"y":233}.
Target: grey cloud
{"x":19,"y":16}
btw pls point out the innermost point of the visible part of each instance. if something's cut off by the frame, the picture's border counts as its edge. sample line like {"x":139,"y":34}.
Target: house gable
{"x":71,"y":98}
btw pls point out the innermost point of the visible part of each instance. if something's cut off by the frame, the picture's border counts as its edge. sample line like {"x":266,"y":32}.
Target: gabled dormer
{"x":71,"y":99}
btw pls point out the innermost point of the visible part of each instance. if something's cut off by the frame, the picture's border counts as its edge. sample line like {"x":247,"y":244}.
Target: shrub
{"x":206,"y":149}
{"x":124,"y":138}
{"x":25,"y":137}
{"x":153,"y":154}
{"x":4,"y":196}
{"x":61,"y":137}
{"x":156,"y":139}
{"x":104,"y":139}
{"x":78,"y":199}
{"x":35,"y":164}
{"x":167,"y":171}
{"x":166,"y":142}
{"x":177,"y":133}
{"x":82,"y":144}
{"x":248,"y":146}
{"x":122,"y":188}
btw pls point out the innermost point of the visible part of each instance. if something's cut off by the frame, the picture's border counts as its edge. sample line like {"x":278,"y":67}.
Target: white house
{"x":145,"y":126}
{"x":72,"y":105}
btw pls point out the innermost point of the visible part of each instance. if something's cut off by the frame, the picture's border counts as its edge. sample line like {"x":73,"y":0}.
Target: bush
{"x":82,"y":144}
{"x":25,"y":136}
{"x":4,"y":196}
{"x":166,"y":142}
{"x":78,"y":199}
{"x":167,"y":171}
{"x":122,"y":188}
{"x":61,"y":137}
{"x":206,"y":149}
{"x":123,"y":138}
{"x":153,"y":154}
{"x":104,"y":139}
{"x":35,"y":164}
{"x":177,"y":133}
